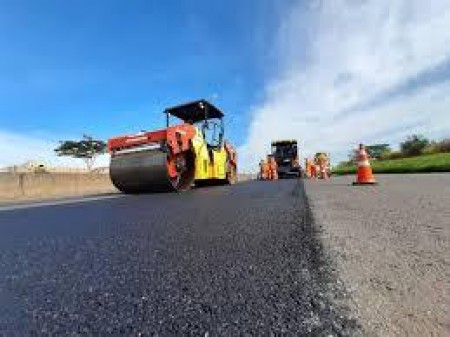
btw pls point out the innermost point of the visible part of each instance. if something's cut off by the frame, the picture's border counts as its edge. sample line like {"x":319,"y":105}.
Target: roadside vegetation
{"x":87,"y":149}
{"x":417,"y":154}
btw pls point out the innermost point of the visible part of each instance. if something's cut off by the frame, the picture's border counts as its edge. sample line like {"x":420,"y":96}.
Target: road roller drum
{"x":149,"y":171}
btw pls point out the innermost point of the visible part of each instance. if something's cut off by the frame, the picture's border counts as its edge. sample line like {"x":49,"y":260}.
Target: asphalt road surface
{"x":218,"y":261}
{"x":390,"y":244}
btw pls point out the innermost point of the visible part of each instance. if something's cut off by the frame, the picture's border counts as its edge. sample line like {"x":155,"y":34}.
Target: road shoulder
{"x":390,"y":244}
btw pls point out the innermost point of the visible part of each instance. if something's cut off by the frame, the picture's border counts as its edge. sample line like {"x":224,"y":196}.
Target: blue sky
{"x":330,"y":73}
{"x":106,"y":67}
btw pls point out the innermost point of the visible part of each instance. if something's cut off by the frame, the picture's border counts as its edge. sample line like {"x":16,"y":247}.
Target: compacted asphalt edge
{"x":335,"y":299}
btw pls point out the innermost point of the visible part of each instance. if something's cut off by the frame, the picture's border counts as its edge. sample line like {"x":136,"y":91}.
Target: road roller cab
{"x":191,"y":151}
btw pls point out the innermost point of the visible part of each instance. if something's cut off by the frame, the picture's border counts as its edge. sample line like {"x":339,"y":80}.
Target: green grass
{"x":439,"y":162}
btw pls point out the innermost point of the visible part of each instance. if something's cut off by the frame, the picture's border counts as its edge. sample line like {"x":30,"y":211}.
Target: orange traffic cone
{"x":364,"y":174}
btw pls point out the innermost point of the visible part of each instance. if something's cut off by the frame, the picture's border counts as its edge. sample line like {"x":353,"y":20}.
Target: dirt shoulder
{"x":391,"y":246}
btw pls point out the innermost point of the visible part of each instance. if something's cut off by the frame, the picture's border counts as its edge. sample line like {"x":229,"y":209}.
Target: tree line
{"x":413,"y":145}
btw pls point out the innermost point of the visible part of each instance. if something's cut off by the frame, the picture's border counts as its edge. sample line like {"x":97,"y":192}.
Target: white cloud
{"x":17,"y":148}
{"x":340,"y":54}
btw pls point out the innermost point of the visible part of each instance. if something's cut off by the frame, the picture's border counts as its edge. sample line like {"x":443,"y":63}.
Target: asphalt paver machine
{"x":285,"y":153}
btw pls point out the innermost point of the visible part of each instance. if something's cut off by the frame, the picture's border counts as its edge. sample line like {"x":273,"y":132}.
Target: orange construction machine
{"x":323,"y":167}
{"x":174,"y":158}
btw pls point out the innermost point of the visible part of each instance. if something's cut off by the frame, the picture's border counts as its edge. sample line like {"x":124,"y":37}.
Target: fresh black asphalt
{"x":239,"y":260}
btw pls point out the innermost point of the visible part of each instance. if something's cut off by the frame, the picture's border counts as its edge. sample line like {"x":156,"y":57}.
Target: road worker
{"x":308,"y":168}
{"x":263,"y":170}
{"x":273,"y":167}
{"x":313,"y":171}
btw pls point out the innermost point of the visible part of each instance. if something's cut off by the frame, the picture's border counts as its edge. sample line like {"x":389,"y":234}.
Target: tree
{"x":413,"y":145}
{"x":378,"y":150}
{"x":87,"y":149}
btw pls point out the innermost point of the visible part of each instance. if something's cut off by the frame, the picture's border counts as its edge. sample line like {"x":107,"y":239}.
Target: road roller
{"x":191,"y":151}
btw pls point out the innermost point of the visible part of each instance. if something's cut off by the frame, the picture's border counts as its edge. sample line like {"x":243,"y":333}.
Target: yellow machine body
{"x":210,"y":163}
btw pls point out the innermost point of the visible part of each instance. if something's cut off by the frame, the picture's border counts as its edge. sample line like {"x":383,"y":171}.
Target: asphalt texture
{"x":390,"y":244}
{"x":239,"y":260}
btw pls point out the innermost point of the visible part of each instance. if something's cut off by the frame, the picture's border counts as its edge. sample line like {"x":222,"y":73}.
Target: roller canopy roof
{"x":195,"y":111}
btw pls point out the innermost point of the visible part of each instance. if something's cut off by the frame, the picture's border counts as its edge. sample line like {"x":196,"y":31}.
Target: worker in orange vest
{"x":273,"y":167}
{"x":308,"y":168}
{"x":313,"y":171}
{"x":264,"y":170}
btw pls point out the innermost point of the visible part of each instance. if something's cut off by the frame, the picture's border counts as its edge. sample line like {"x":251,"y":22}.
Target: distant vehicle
{"x":285,"y":153}
{"x":322,"y":157}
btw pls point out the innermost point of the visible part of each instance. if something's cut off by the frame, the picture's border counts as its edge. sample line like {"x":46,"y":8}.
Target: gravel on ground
{"x":390,"y":244}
